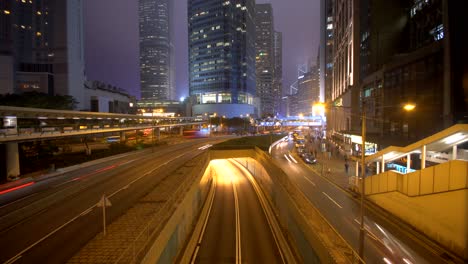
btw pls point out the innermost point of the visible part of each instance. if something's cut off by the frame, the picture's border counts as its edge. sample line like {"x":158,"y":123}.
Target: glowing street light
{"x":409,"y":107}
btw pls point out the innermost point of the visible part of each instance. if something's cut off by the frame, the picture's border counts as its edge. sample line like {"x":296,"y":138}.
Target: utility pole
{"x":363,"y":174}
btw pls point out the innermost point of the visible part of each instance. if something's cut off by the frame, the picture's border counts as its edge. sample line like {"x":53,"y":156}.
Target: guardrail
{"x":51,"y":132}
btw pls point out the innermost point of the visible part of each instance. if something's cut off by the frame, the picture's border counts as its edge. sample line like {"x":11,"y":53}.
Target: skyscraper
{"x":345,"y":83}
{"x":326,"y":49}
{"x":265,"y":59}
{"x":222,"y":56}
{"x":278,"y":83}
{"x":156,"y":50}
{"x":308,"y":90}
{"x":42,"y":47}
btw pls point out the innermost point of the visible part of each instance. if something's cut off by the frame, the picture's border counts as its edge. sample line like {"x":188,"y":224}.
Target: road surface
{"x":237,"y":229}
{"x":49,"y":221}
{"x":343,"y":212}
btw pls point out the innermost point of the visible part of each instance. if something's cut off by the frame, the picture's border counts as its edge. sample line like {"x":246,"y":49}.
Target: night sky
{"x":111,"y":40}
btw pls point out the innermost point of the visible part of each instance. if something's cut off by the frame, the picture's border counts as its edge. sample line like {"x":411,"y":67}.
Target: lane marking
{"x":387,"y":261}
{"x":13,"y":260}
{"x":17,"y":256}
{"x":238,"y":231}
{"x":145,"y":174}
{"x":19,"y":200}
{"x":293,"y":159}
{"x":263,"y":203}
{"x":309,"y":180}
{"x":331,"y":199}
{"x":205,"y":147}
{"x":369,"y":233}
{"x":86,"y":212}
{"x":194,"y":257}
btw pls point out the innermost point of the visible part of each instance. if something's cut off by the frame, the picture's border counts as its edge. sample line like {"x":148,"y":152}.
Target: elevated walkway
{"x":432,"y":199}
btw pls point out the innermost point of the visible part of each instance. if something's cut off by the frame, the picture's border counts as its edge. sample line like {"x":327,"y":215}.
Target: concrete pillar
{"x":423,"y":157}
{"x":158,"y":133}
{"x":383,"y":164}
{"x":408,"y":163}
{"x":181,"y":131}
{"x":122,"y":136}
{"x":454,"y":152}
{"x":377,"y":165}
{"x":357,"y":168}
{"x":12,"y":160}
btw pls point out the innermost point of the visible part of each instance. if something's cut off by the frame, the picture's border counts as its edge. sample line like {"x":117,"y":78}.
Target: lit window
{"x":38,"y":34}
{"x":6,"y":12}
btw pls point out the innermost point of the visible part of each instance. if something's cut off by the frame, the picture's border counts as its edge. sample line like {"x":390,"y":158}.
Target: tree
{"x":39,"y":100}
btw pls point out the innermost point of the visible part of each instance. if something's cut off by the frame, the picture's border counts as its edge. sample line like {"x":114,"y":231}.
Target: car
{"x":310,"y":159}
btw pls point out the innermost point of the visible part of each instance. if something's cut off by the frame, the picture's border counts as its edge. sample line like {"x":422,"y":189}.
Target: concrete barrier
{"x":178,"y":228}
{"x":433,"y":200}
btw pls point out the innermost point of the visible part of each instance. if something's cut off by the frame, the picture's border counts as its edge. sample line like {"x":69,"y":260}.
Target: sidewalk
{"x":332,"y":166}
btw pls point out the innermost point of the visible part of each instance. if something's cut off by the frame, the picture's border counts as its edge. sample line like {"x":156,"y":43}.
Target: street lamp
{"x":406,"y":107}
{"x":409,"y":107}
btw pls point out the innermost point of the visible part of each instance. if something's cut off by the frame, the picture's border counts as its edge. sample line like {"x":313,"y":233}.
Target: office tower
{"x":156,"y":50}
{"x":326,"y":49}
{"x":412,"y":52}
{"x":278,"y":79}
{"x":222,"y":56}
{"x":345,"y":83}
{"x":6,"y":48}
{"x":308,"y":92}
{"x":265,"y":59}
{"x":44,"y":40}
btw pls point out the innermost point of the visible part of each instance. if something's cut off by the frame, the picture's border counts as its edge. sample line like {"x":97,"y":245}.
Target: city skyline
{"x":111,"y":46}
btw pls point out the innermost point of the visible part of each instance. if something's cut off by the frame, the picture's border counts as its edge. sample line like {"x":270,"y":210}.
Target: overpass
{"x":19,"y":124}
{"x":426,"y":184}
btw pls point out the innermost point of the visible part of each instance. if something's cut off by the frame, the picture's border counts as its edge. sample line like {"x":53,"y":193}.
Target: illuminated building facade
{"x":278,"y":82}
{"x":326,"y":49}
{"x":222,"y":56}
{"x":44,"y":40}
{"x":156,"y":49}
{"x":308,"y":91}
{"x":344,"y":95}
{"x":265,"y":60}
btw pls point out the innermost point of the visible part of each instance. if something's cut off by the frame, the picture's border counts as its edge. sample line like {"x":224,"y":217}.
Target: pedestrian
{"x":346,"y":165}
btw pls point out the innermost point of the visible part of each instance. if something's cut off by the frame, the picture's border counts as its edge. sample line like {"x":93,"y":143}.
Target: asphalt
{"x":332,"y":165}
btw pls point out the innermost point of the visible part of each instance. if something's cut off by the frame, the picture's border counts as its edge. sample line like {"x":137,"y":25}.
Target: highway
{"x":237,"y":229}
{"x":50,"y":220}
{"x":343,"y":212}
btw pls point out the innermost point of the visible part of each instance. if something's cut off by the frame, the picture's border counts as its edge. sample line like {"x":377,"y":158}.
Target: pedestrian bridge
{"x":431,"y":193}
